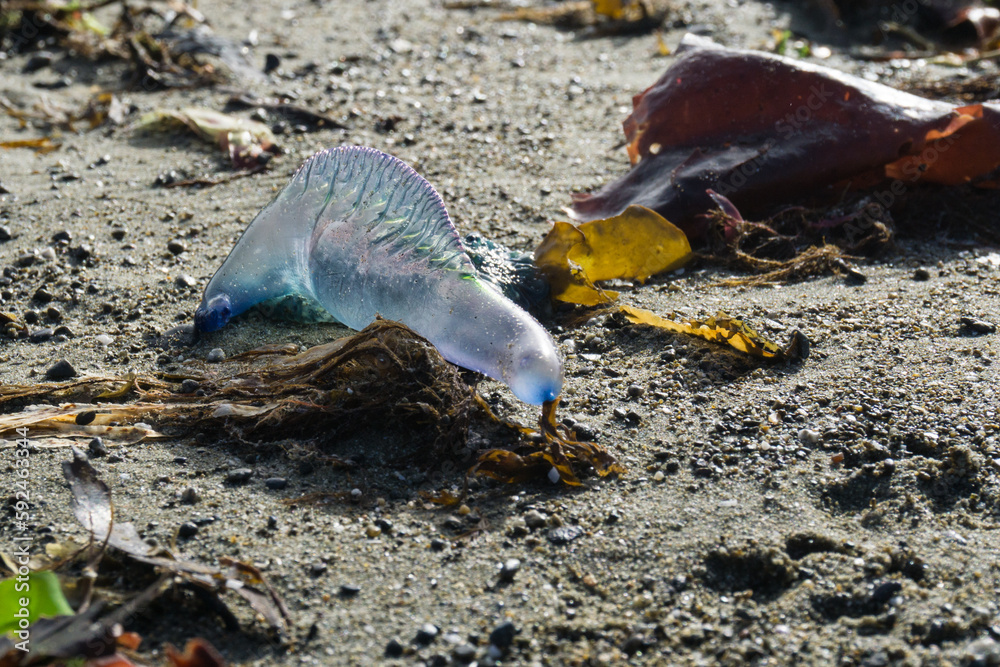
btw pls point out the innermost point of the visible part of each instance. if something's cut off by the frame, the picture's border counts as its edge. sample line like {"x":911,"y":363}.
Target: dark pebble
{"x":585,"y":432}
{"x":454,"y":523}
{"x":426,"y":634}
{"x":317,"y":569}
{"x":634,"y":644}
{"x":97,"y":448}
{"x":464,"y":653}
{"x":239,"y":476}
{"x":215,"y":355}
{"x":189,"y":386}
{"x":62,"y":236}
{"x":118,"y":233}
{"x":176,"y":247}
{"x":885,"y":592}
{"x":180,"y":460}
{"x":271,"y":63}
{"x":437,"y":544}
{"x":82,"y":252}
{"x":635,"y":391}
{"x":272,"y":522}
{"x":40,"y":60}
{"x":63,"y":332}
{"x":978,"y":326}
{"x":349,"y":590}
{"x":276,"y":483}
{"x":393,"y":649}
{"x":922,"y":275}
{"x":564,"y":534}
{"x":85,"y":418}
{"x":509,"y":569}
{"x":53,"y":314}
{"x":61,"y":370}
{"x":384,"y":524}
{"x":31,"y":316}
{"x":5,"y":233}
{"x":503,"y":635}
{"x":41,"y":335}
{"x":42,"y":295}
{"x":187,"y":529}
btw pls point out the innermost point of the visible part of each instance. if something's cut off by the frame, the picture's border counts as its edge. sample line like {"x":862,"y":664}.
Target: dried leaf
{"x":726,"y":330}
{"x":760,"y":129}
{"x":41,"y":145}
{"x":634,"y":245}
{"x":245,"y":141}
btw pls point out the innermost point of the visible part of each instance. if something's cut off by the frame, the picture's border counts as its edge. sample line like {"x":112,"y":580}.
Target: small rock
{"x":276,"y":483}
{"x":215,"y":356}
{"x":5,"y":234}
{"x":978,"y":326}
{"x":922,"y":275}
{"x":564,"y":534}
{"x":659,"y":476}
{"x":393,"y":649}
{"x":426,"y":634}
{"x":534,"y":519}
{"x":384,"y":525}
{"x":454,"y":523}
{"x":272,"y":522}
{"x":349,"y":590}
{"x":633,"y":645}
{"x":437,"y":544}
{"x":62,"y":333}
{"x":97,"y":448}
{"x":509,"y":569}
{"x":42,"y":295}
{"x":239,"y":476}
{"x":85,"y":418}
{"x":635,"y":391}
{"x":885,"y":592}
{"x":118,"y":233}
{"x":41,"y":335}
{"x":984,"y":652}
{"x":464,"y":653}
{"x":190,"y":496}
{"x":185,"y":281}
{"x":53,"y":314}
{"x":62,"y":236}
{"x":807,"y":436}
{"x":373,"y":531}
{"x":61,"y":370}
{"x":104,"y":339}
{"x":503,"y":635}
{"x":176,"y":246}
{"x":31,"y":316}
{"x":317,"y":569}
{"x":271,"y":63}
{"x":187,"y":529}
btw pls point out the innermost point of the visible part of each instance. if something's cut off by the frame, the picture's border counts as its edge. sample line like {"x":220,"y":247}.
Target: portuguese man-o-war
{"x":358,"y":233}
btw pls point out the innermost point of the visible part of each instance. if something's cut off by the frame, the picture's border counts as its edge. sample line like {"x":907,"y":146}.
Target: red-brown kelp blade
{"x":761,"y":129}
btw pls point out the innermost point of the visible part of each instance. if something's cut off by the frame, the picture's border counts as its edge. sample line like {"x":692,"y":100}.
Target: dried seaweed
{"x":159,"y":42}
{"x":384,"y":374}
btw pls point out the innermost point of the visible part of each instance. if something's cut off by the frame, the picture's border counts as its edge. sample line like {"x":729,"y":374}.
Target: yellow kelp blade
{"x":614,"y":9}
{"x":633,"y":245}
{"x":728,"y":330}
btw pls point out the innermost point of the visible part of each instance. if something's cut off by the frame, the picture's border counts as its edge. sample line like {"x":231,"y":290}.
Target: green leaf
{"x":43,"y":594}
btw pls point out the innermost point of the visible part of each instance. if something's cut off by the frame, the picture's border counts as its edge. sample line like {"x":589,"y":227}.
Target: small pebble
{"x":85,"y":418}
{"x":807,"y":436}
{"x":509,"y":569}
{"x":349,"y":590}
{"x":659,"y":476}
{"x":176,"y":247}
{"x":189,"y":386}
{"x":104,"y":339}
{"x":564,"y":534}
{"x":190,"y":496}
{"x":922,"y":275}
{"x":97,"y":448}
{"x":186,"y":281}
{"x":554,"y":475}
{"x":61,"y":370}
{"x":503,"y":635}
{"x":317,"y":569}
{"x":215,"y":356}
{"x":635,"y":391}
{"x":62,"y":236}
{"x":464,"y":653}
{"x":239,"y":476}
{"x":393,"y":649}
{"x":978,"y":326}
{"x":41,"y":335}
{"x":534,"y":519}
{"x":42,"y":295}
{"x":426,"y":634}
{"x":5,"y":234}
{"x":437,"y":544}
{"x":276,"y":483}
{"x":118,"y":233}
{"x":187,"y":529}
